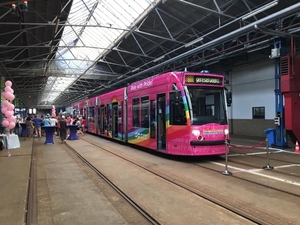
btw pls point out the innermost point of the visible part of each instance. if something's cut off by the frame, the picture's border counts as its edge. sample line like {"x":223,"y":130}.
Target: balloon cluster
{"x":7,"y":107}
{"x":53,"y":111}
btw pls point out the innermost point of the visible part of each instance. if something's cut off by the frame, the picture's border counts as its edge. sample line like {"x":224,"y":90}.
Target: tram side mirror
{"x":229,"y":98}
{"x":175,"y":96}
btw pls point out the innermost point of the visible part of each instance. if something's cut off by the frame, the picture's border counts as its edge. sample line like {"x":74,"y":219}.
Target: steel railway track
{"x":146,"y":215}
{"x":247,"y":212}
{"x":31,"y":206}
{"x":275,"y":159}
{"x":256,"y":167}
{"x":250,"y":181}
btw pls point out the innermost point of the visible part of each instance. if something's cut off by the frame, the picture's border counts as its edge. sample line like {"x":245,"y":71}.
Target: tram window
{"x":91,"y":115}
{"x":177,"y":111}
{"x":98,"y":116}
{"x":102,"y":119}
{"x":145,"y":112}
{"x":109,"y":117}
{"x":136,"y":112}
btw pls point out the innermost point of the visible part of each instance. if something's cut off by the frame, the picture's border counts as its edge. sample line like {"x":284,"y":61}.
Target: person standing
{"x":37,"y":126}
{"x":29,"y":125}
{"x":63,"y":129}
{"x":53,"y":121}
{"x":18,"y":127}
{"x":69,"y":121}
{"x":47,"y":121}
{"x":2,"y":143}
{"x":83,"y":124}
{"x":77,"y":122}
{"x":58,"y":126}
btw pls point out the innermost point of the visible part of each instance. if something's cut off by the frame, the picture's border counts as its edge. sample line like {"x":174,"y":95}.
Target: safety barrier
{"x":267,"y":167}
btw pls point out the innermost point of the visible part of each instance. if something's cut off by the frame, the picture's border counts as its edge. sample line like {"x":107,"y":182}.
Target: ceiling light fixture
{"x":136,"y":69}
{"x":193,"y":42}
{"x":261,"y":9}
{"x":159,"y":58}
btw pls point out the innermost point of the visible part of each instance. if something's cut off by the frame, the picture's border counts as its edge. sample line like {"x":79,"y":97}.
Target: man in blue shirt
{"x":37,"y":125}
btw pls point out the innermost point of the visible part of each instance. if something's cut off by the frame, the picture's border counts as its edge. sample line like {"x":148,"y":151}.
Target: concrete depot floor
{"x":14,"y":173}
{"x":58,"y":201}
{"x":59,"y":179}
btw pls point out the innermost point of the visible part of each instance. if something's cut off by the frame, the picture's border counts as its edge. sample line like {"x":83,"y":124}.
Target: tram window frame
{"x":98,"y":117}
{"x":258,"y":112}
{"x":102,"y":117}
{"x":145,"y":112}
{"x":153,"y":118}
{"x":91,"y":114}
{"x":109,"y":117}
{"x":136,"y":112}
{"x":177,"y":111}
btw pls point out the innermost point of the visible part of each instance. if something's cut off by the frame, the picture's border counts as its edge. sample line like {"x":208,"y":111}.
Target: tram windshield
{"x":207,"y":105}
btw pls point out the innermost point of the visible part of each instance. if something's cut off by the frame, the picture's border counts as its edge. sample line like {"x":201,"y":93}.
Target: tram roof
{"x":61,"y":51}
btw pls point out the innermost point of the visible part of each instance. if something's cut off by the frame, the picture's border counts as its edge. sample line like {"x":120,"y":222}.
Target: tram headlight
{"x":226,"y":131}
{"x":196,"y":132}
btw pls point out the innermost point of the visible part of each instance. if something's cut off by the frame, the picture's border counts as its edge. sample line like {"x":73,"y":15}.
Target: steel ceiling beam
{"x":206,"y":9}
{"x":287,"y":11}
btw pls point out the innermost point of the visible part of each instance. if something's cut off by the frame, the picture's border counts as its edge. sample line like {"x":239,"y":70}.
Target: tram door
{"x":84,"y":112}
{"x":109,"y":119}
{"x":102,"y":121}
{"x":152,"y":119}
{"x":115,"y":113}
{"x":161,"y":121}
{"x":98,"y":126}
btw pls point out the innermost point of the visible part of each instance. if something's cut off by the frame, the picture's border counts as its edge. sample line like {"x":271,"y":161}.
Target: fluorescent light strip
{"x":193,"y":42}
{"x":159,"y":58}
{"x":259,"y":10}
{"x":136,"y":69}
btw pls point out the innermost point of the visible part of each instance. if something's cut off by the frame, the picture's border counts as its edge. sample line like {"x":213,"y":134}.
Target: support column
{"x":280,"y":135}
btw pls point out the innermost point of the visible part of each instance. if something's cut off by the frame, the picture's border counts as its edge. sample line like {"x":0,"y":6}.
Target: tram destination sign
{"x":204,"y":80}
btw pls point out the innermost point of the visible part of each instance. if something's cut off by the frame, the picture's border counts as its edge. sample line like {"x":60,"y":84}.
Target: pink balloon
{"x":4,"y":110}
{"x":11,"y":119}
{"x":11,"y":107}
{"x":5,"y":123}
{"x":8,"y":89}
{"x":9,"y":113}
{"x":4,"y":94}
{"x":8,"y":83}
{"x":5,"y":103}
{"x":10,"y":96}
{"x":11,"y":125}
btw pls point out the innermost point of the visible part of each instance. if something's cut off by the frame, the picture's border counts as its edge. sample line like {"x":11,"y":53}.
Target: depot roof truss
{"x":160,"y":40}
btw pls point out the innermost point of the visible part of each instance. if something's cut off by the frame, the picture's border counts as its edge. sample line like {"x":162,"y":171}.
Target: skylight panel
{"x":110,"y":18}
{"x":116,"y":8}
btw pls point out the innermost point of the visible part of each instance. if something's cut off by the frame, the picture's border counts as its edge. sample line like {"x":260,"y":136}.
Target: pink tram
{"x":177,"y":113}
